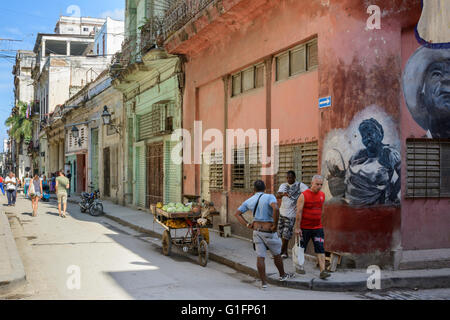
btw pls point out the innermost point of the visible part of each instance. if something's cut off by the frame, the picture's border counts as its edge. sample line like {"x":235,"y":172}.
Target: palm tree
{"x":21,"y":128}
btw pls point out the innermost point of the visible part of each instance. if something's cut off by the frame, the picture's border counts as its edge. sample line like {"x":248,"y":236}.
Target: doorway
{"x":155,"y":174}
{"x":81,"y":173}
{"x":106,"y":172}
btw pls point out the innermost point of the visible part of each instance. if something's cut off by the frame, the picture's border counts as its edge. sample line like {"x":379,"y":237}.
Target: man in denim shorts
{"x":288,"y":193}
{"x":265,"y":212}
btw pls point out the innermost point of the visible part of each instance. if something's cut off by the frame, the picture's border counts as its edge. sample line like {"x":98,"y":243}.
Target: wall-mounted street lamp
{"x":107,"y":121}
{"x":76,"y":135}
{"x":106,"y":116}
{"x":75,"y":132}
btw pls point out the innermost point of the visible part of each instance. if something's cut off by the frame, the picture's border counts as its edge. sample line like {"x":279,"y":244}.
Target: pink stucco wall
{"x":425,"y":222}
{"x":294,"y":108}
{"x":357,"y":67}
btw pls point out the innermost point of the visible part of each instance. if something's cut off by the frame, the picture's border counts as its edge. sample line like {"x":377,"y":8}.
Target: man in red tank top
{"x":308,"y":224}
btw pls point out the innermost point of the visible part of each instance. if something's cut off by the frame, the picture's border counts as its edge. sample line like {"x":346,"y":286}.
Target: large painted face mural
{"x":362,"y":169}
{"x":426,"y":87}
{"x":426,"y":78}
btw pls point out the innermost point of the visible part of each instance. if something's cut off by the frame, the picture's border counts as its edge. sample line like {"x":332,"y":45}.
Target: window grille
{"x":428,"y":168}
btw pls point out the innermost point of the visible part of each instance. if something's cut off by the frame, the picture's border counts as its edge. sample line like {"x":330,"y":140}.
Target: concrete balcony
{"x":193,"y":25}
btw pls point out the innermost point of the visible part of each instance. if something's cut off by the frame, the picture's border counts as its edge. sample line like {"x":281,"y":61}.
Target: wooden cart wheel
{"x":203,"y":253}
{"x":166,"y":242}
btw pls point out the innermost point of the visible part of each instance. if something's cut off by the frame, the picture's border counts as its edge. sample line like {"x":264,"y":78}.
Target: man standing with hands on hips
{"x":265,"y":237}
{"x":308,"y":224}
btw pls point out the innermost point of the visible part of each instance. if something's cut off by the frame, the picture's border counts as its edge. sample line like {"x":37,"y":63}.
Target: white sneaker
{"x":287,"y":276}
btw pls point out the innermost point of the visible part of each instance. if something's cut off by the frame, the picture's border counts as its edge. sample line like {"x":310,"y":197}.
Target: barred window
{"x":238,"y":169}
{"x":149,"y":124}
{"x":428,"y":168}
{"x":216,"y":171}
{"x":82,"y":135}
{"x":297,"y":60}
{"x":246,"y":168}
{"x":301,"y":158}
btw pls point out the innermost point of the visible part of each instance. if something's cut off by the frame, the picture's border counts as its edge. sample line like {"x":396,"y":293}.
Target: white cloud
{"x":14,"y":31}
{"x":116,"y":14}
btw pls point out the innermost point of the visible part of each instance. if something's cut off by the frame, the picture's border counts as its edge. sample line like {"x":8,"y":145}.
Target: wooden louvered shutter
{"x":312,"y":54}
{"x":140,"y":177}
{"x":428,"y":168}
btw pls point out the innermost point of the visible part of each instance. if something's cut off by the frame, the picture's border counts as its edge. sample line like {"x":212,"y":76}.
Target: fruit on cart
{"x":176,"y":223}
{"x":159,"y":205}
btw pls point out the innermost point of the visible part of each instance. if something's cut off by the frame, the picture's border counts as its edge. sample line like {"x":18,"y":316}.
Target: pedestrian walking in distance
{"x":308,"y":223}
{"x":61,"y":186}
{"x":69,"y":176}
{"x":26,"y":185}
{"x":289,"y":193}
{"x":35,"y":193}
{"x":11,"y":183}
{"x":265,"y":220}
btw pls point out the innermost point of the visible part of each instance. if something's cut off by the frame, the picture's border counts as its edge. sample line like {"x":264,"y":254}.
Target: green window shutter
{"x":140,"y":177}
{"x":172,"y":175}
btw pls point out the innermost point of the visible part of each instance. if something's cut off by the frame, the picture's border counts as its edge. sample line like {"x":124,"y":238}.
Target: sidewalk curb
{"x":409,"y":282}
{"x":316,"y":284}
{"x":17,"y":277}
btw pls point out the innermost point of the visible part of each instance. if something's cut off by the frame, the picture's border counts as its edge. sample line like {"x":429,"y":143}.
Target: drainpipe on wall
{"x":182,"y":86}
{"x":268,"y":64}
{"x":224,"y":210}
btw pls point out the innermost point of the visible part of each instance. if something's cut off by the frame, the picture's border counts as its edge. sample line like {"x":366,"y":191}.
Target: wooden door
{"x":155,"y":174}
{"x":81,"y":173}
{"x":106,"y":172}
{"x":94,"y":159}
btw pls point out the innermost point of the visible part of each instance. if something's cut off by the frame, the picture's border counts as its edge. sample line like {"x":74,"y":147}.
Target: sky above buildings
{"x":23,"y":20}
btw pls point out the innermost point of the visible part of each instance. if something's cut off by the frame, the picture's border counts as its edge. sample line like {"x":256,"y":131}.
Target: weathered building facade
{"x":95,"y":158}
{"x":149,"y":78}
{"x":23,"y":92}
{"x":265,"y":65}
{"x":65,"y":63}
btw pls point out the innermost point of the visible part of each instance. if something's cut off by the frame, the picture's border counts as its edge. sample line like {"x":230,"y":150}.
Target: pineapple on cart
{"x":186,"y":226}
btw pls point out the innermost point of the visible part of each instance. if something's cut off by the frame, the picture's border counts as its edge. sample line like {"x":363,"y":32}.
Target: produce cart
{"x":186,"y":229}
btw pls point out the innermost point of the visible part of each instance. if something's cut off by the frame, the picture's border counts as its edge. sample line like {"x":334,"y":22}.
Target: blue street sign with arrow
{"x":325,"y":102}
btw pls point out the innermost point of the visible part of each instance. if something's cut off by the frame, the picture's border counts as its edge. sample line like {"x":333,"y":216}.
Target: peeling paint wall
{"x":425,"y":221}
{"x":358,"y":67}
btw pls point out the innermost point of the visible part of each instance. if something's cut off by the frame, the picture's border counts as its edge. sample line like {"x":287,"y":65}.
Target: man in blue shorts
{"x":265,"y":237}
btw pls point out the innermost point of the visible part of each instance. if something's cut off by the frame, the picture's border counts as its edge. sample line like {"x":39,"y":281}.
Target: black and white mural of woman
{"x":372,"y":174}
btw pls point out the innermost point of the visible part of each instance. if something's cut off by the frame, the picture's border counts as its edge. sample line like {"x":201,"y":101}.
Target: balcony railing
{"x":152,"y":34}
{"x":181,"y":12}
{"x":124,"y":57}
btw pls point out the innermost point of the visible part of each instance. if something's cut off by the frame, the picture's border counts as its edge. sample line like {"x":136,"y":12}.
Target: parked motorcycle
{"x":91,"y":202}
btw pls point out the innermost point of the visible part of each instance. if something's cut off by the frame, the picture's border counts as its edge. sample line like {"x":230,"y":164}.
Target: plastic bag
{"x":298,"y":253}
{"x":31,"y":192}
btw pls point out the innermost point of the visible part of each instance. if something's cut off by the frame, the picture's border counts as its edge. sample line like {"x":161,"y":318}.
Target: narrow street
{"x":117,"y":262}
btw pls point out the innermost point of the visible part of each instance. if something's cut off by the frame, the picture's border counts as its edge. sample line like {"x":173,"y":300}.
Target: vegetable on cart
{"x":192,"y":221}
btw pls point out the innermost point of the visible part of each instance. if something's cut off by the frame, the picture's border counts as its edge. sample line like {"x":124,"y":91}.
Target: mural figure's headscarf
{"x":372,"y":123}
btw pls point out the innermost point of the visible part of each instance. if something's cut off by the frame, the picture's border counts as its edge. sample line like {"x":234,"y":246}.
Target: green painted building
{"x":149,"y":79}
